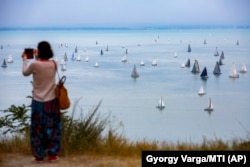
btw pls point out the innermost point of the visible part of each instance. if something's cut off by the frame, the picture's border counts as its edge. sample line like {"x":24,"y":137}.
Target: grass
{"x":85,"y":135}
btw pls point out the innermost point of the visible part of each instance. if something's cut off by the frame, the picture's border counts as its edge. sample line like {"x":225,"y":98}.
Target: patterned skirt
{"x":45,"y":132}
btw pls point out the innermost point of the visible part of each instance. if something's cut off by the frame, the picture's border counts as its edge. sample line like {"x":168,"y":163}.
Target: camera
{"x":29,"y":53}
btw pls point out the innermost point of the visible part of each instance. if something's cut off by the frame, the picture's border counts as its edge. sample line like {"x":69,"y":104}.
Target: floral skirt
{"x":46,"y":128}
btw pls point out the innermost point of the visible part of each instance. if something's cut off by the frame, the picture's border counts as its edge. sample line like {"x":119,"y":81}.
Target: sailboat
{"x":96,"y":64}
{"x":65,"y":57}
{"x":161,"y":104}
{"x":189,"y":48}
{"x":63,"y":68}
{"x":154,"y":62}
{"x":210,"y":106}
{"x":220,"y":62}
{"x":124,"y":58}
{"x":73,"y":56}
{"x":10,"y":59}
{"x":76,"y":49}
{"x":204,"y":75}
{"x":222,"y":55}
{"x":201,"y":91}
{"x":183,"y":65}
{"x":187,"y":63}
{"x":86,"y":59}
{"x":175,"y":55}
{"x":217,"y":69}
{"x":196,"y":68}
{"x":243,"y":68}
{"x":233,"y":72}
{"x":237,"y":43}
{"x":101,"y":53}
{"x":78,"y":58}
{"x":134,"y":73}
{"x":205,"y":42}
{"x":216,"y":53}
{"x":142,"y":63}
{"x":4,"y":65}
{"x":107,"y":48}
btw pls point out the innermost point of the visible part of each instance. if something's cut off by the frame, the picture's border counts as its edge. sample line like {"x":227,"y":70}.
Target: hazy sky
{"x":71,"y":13}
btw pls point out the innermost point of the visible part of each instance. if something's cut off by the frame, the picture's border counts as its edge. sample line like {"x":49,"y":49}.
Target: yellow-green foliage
{"x":85,"y":136}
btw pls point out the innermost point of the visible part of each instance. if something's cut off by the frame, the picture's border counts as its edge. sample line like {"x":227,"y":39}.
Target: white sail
{"x":154,"y":62}
{"x":124,"y":58}
{"x":86,"y":59}
{"x":243,"y":68}
{"x":10,"y":59}
{"x":201,"y":91}
{"x":161,"y":104}
{"x":233,"y":72}
{"x":96,"y":64}
{"x":63,"y":67}
{"x":142,"y":63}
{"x":175,"y":55}
{"x":210,"y":106}
{"x":183,"y":65}
{"x":78,"y":58}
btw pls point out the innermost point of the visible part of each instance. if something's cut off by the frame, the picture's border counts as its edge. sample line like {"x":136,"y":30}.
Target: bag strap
{"x":57,"y":70}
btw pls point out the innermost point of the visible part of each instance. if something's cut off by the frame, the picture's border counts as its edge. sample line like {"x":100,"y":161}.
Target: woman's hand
{"x":24,"y":56}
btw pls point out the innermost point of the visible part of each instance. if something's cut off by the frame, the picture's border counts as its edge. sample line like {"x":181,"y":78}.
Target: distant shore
{"x":136,"y":27}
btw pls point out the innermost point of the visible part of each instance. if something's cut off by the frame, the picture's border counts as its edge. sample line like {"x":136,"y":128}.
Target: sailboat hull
{"x":208,"y":109}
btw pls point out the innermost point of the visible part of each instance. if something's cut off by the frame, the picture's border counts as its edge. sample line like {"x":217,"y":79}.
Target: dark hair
{"x":44,"y":50}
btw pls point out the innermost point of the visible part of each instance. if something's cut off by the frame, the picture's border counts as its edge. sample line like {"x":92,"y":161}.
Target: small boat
{"x":201,"y":91}
{"x":204,"y":75}
{"x":78,"y":58}
{"x":188,"y":63}
{"x":86,"y":59}
{"x":222,"y":55}
{"x":233,"y":72}
{"x":4,"y":65}
{"x":220,"y":62}
{"x":154,"y":62}
{"x":10,"y":59}
{"x":96,"y":64}
{"x":175,"y":55}
{"x":196,"y":68}
{"x":142,"y":63}
{"x":65,"y":57}
{"x":134,"y":73}
{"x":183,"y":65}
{"x":210,"y":106}
{"x":217,"y":70}
{"x":216,"y":53}
{"x":243,"y":68}
{"x":189,"y":48}
{"x":161,"y":104}
{"x":63,"y":68}
{"x":73,"y":56}
{"x":124,"y":58}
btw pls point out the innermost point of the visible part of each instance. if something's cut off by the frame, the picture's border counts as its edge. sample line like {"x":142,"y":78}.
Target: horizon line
{"x":146,"y":27}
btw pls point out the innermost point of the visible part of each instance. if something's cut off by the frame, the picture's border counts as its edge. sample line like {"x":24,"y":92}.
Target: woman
{"x":45,"y":113}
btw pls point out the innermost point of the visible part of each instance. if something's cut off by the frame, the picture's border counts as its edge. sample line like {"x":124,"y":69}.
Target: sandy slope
{"x":18,"y":160}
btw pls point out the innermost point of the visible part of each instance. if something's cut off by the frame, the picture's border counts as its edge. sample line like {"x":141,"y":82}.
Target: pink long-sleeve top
{"x":44,"y":81}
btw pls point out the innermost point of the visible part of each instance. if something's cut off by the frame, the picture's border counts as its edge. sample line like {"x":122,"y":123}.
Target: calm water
{"x":132,"y":103}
